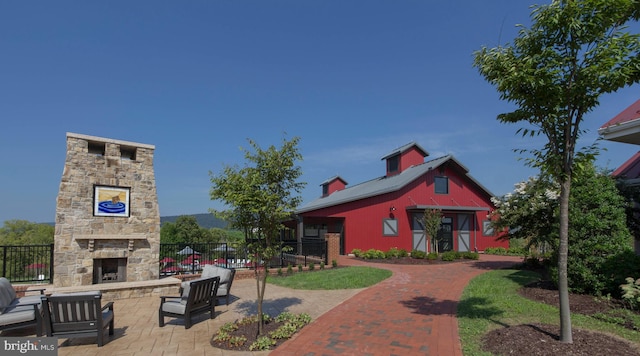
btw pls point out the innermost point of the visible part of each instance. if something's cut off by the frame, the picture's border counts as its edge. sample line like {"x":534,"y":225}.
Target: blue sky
{"x":352,"y":79}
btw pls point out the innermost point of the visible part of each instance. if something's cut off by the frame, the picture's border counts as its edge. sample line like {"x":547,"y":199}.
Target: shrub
{"x":280,"y":271}
{"x":322,"y":265}
{"x":289,"y":269}
{"x":470,"y":255}
{"x":392,"y":253}
{"x":334,"y":263}
{"x":312,"y":266}
{"x":299,"y":267}
{"x":450,"y":256}
{"x":418,"y":254}
{"x":516,"y":251}
{"x":432,"y":256}
{"x":532,"y":263}
{"x":357,"y":252}
{"x":373,"y":254}
{"x":495,"y":251}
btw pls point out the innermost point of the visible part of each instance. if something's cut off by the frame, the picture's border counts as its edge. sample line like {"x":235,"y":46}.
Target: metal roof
{"x":383,"y":185}
{"x":624,"y":127}
{"x":405,"y":148}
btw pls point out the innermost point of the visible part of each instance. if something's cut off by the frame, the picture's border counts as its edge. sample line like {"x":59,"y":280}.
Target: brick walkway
{"x":411,"y":313}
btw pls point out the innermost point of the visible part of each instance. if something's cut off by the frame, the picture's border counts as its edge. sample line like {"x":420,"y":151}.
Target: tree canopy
{"x":23,"y":232}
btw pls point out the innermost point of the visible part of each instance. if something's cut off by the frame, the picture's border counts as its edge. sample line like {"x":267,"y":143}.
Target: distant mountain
{"x":206,"y":220}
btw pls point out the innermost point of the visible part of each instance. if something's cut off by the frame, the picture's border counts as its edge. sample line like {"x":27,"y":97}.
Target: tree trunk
{"x":563,"y":253}
{"x":260,"y":297}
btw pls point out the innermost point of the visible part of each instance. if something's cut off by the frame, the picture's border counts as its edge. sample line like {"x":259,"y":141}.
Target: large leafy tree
{"x":555,"y":72}
{"x":260,"y":196}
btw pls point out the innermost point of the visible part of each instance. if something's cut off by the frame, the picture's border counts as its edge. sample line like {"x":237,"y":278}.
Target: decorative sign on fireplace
{"x":111,"y":201}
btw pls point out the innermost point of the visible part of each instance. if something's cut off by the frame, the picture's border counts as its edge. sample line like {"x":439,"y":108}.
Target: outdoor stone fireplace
{"x":109,"y":270}
{"x":107,"y":217}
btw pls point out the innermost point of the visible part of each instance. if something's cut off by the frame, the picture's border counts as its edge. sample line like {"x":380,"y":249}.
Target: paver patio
{"x":410,"y":313}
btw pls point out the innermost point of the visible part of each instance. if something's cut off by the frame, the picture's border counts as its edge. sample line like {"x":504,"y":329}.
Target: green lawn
{"x":334,"y":278}
{"x":491,"y":301}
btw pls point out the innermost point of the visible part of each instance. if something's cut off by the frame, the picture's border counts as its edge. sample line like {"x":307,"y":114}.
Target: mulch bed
{"x":542,"y":339}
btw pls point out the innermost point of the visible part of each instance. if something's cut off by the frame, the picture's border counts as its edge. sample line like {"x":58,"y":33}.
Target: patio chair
{"x":78,"y":315}
{"x":199,"y":298}
{"x":226,"y":280}
{"x":19,"y":312}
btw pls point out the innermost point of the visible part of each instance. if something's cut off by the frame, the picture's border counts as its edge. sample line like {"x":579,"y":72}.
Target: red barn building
{"x":386,"y":212}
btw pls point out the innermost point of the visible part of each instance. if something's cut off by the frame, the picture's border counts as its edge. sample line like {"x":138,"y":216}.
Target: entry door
{"x":445,"y":235}
{"x":419,"y":239}
{"x":464,"y":232}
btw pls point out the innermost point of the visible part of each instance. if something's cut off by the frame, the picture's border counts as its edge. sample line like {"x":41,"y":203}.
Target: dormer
{"x":404,"y":157}
{"x":333,"y":185}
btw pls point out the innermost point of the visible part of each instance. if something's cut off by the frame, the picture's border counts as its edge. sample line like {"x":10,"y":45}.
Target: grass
{"x":491,"y":301}
{"x":328,"y":279}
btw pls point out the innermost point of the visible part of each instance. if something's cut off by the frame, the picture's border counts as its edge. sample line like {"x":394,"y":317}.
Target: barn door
{"x":464,"y":232}
{"x":419,"y":240}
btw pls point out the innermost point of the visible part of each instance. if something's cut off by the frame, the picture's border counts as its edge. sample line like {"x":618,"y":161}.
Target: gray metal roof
{"x":383,"y":185}
{"x":404,"y":148}
{"x":332,"y":179}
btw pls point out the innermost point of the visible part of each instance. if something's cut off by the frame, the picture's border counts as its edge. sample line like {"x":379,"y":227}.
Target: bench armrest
{"x":164,"y":297}
{"x":41,"y":290}
{"x":35,"y":305}
{"x":108,"y":305}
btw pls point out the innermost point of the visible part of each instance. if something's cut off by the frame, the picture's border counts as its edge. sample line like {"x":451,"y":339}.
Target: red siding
{"x":363,"y":228}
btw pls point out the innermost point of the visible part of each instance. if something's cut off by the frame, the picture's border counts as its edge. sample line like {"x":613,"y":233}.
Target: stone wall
{"x":81,"y":236}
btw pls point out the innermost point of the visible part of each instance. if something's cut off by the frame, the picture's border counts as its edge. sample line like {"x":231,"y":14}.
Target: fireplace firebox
{"x":109,"y":270}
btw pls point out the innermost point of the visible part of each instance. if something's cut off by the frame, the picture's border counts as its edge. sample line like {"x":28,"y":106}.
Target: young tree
{"x":261,"y":195}
{"x":431,"y":220}
{"x":555,"y":72}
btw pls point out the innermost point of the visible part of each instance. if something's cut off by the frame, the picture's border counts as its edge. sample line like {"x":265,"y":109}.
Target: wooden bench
{"x":78,"y":315}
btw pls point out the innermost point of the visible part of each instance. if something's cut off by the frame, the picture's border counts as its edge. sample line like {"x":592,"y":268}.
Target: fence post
{"x":51,"y":263}
{"x":333,"y":246}
{"x":4,"y":259}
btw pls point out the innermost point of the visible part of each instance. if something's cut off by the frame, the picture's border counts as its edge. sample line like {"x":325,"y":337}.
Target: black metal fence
{"x":27,"y":263}
{"x":34,"y":263}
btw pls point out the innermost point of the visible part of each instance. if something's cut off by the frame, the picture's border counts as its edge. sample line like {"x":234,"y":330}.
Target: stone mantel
{"x":93,"y":237}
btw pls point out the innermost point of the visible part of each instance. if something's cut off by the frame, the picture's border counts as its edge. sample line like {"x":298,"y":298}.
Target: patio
{"x":137,"y":331}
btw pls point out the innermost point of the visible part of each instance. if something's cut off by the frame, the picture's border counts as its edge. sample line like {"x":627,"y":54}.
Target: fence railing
{"x":34,"y":263}
{"x":27,"y":263}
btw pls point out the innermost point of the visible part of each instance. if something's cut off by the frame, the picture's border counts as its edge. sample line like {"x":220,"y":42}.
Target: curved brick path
{"x":410,"y":313}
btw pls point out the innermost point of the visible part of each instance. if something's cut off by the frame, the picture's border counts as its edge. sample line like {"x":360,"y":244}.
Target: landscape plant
{"x":631,"y":292}
{"x":555,"y":73}
{"x":431,"y":220}
{"x":260,"y":196}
